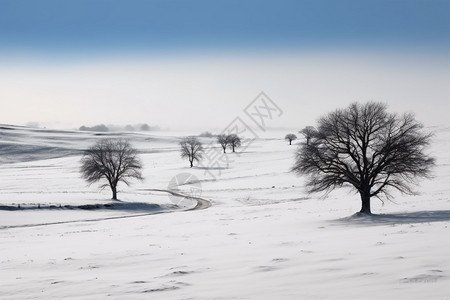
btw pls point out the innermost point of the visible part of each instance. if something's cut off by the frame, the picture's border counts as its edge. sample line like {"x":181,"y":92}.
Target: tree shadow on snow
{"x":398,"y":218}
{"x":120,"y":206}
{"x":211,"y":168}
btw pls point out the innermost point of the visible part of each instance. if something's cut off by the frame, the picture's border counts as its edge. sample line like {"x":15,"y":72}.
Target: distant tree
{"x":367,"y":148}
{"x":192,"y":149}
{"x":234,"y":141}
{"x":308,"y":132}
{"x":97,"y":128}
{"x":112,"y":160}
{"x":223,"y":140}
{"x":290,"y":137}
{"x":129,"y":128}
{"x":206,"y":134}
{"x":145,"y":127}
{"x":100,"y":128}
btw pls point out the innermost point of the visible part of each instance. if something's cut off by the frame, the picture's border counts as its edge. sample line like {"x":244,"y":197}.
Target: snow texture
{"x":262,"y":238}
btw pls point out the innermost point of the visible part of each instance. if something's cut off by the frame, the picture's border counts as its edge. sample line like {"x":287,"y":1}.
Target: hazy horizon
{"x":196,"y":65}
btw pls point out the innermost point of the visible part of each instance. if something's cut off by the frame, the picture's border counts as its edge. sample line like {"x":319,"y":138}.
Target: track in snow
{"x":201,"y":204}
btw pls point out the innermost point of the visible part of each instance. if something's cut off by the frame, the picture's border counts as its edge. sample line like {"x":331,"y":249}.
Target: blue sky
{"x":197,"y":64}
{"x":57,"y":26}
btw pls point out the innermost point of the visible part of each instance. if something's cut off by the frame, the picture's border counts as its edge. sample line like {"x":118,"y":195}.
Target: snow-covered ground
{"x":263,"y":237}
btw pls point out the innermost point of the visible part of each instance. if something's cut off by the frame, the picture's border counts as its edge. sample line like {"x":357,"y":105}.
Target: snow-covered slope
{"x":263,"y":238}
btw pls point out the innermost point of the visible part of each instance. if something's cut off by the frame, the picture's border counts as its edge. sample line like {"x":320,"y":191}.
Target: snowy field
{"x":262,"y":238}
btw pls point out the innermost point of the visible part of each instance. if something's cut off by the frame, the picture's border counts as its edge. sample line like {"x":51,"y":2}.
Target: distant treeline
{"x":109,"y":128}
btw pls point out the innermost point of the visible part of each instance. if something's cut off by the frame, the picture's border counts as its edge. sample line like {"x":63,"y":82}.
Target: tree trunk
{"x":114,"y":192}
{"x":192,"y":163}
{"x":365,"y":203}
{"x":233,"y":148}
{"x":224,"y":149}
{"x":290,"y":142}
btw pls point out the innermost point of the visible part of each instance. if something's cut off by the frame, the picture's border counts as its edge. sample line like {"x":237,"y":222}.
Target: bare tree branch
{"x":290,"y":137}
{"x":113,"y":160}
{"x":192,"y":149}
{"x":234,"y":141}
{"x":367,"y":148}
{"x":308,"y":132}
{"x":223,"y":140}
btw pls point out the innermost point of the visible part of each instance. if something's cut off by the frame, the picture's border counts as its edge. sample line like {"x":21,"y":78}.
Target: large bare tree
{"x":365,"y":147}
{"x":192,"y":149}
{"x":112,"y":160}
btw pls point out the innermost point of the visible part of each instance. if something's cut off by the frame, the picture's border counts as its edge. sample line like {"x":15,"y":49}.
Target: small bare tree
{"x":290,"y":137}
{"x":222,"y":139}
{"x":308,"y":132}
{"x":234,"y":141}
{"x":113,"y":160}
{"x":192,"y":149}
{"x":365,"y":147}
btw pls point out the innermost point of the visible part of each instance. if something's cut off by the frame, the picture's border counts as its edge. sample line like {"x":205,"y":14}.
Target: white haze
{"x":208,"y":92}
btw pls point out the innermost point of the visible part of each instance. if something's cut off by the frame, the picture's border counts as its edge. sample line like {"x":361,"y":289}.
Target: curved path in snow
{"x":200,"y":204}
